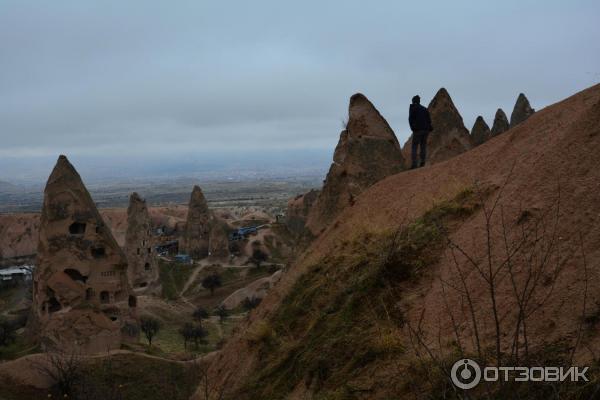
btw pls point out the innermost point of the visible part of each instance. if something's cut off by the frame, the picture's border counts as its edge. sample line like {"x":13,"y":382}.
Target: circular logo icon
{"x":465,"y":374}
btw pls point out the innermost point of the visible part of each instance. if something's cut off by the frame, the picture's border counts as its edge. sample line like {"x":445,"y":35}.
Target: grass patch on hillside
{"x":341,"y":315}
{"x":169,"y":341}
{"x":231,"y":279}
{"x":19,"y":348}
{"x":173,"y":277}
{"x":119,"y":377}
{"x":141,"y":378}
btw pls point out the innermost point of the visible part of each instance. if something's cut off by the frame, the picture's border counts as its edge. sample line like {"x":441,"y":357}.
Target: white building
{"x":23,"y":272}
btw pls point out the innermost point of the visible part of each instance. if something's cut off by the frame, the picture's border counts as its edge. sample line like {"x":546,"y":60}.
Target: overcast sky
{"x":123,"y":78}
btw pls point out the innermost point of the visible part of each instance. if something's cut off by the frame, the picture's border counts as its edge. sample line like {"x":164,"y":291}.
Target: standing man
{"x":420,"y":124}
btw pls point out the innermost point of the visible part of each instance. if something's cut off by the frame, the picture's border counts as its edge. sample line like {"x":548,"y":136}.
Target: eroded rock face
{"x":449,"y":137}
{"x":367,"y":152}
{"x":480,"y":132}
{"x":141,"y":257}
{"x":297,"y":211}
{"x":197,"y":229}
{"x":81,"y":296}
{"x":218,"y":244}
{"x":500,"y":123}
{"x":521,"y":112}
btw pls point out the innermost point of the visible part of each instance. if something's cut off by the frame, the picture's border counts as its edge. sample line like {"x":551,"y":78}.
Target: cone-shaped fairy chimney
{"x":480,"y":132}
{"x":500,"y":123}
{"x":197,"y":227}
{"x":521,"y":112}
{"x":367,"y":152}
{"x":141,"y":256}
{"x":81,"y":296}
{"x":449,"y":137}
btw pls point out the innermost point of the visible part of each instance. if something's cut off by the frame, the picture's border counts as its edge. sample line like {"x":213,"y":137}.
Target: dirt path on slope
{"x":191,"y":279}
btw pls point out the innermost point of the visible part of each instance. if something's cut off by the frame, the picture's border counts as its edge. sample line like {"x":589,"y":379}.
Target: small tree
{"x":131,"y":330}
{"x":200,"y":314}
{"x":212,"y":282}
{"x":258,"y":257}
{"x":187,"y":332}
{"x":7,"y":332}
{"x":221,"y":312}
{"x":150,"y":326}
{"x":251,"y":303}
{"x":198,"y":335}
{"x":63,"y":368}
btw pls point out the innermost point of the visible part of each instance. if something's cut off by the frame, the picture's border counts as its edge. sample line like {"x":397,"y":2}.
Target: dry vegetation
{"x":343,"y":332}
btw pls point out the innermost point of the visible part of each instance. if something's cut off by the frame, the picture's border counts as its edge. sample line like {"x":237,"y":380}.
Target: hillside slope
{"x":380,"y":292}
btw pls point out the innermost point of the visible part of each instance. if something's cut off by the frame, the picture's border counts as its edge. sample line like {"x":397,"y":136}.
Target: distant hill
{"x":7,"y":187}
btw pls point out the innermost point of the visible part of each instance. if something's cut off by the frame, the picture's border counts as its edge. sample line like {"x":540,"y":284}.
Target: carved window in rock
{"x":77,"y":228}
{"x":104,"y":297}
{"x":98,"y":252}
{"x":75,"y":275}
{"x":149,"y":250}
{"x":89,"y":294}
{"x":108,"y":273}
{"x":132,"y":301}
{"x":147,"y":267}
{"x":52,"y":304}
{"x":112,"y":313}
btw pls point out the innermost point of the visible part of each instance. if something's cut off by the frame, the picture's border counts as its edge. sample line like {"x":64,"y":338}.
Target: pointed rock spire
{"x":197,"y":226}
{"x":367,"y":152}
{"x":218,"y":244}
{"x":521,"y":112}
{"x":81,"y":292}
{"x":500,"y":123}
{"x":480,"y":132}
{"x":141,"y":257}
{"x":297,"y":212}
{"x":449,"y":137}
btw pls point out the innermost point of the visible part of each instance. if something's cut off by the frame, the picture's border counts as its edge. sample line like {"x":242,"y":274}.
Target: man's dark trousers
{"x":419,"y":139}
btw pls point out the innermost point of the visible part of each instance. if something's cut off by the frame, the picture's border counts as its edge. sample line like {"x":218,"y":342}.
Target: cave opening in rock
{"x":52,"y":304}
{"x":77,"y":228}
{"x":98,"y":252}
{"x":75,"y":275}
{"x":104,"y":297}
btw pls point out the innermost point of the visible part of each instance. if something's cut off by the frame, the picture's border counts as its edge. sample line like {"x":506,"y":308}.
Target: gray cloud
{"x":83,"y":77}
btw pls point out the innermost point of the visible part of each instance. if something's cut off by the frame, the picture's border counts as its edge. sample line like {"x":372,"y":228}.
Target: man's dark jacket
{"x":419,"y":119}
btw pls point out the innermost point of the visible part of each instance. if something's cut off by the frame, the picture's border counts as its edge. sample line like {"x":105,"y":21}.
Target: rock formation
{"x":143,"y":267}
{"x":500,"y":123}
{"x":480,"y":132}
{"x":297,"y":212}
{"x":367,"y":152}
{"x":218,"y":239}
{"x":449,"y":137}
{"x":81,"y":294}
{"x":521,"y":112}
{"x":197,"y":227}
